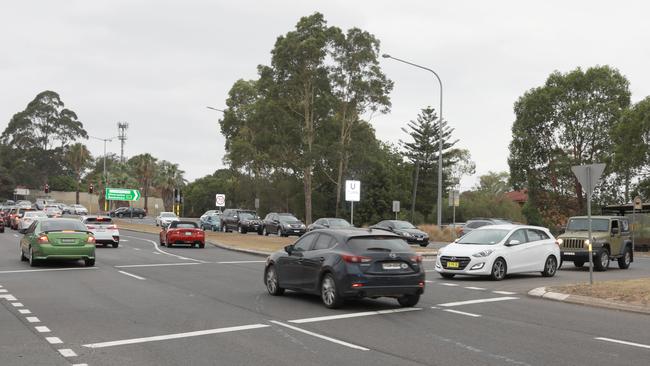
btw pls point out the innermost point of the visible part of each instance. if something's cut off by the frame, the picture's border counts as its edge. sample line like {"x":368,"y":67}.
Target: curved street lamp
{"x":439,"y":202}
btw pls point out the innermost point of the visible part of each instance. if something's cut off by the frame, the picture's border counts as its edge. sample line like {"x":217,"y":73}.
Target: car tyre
{"x":33,"y":262}
{"x":408,"y":301}
{"x":120,"y":216}
{"x":329,"y":293}
{"x":241,"y":229}
{"x":89,"y":262}
{"x":499,"y":269}
{"x":424,"y":245}
{"x":115,"y":245}
{"x":260,"y":232}
{"x":272,"y":282}
{"x":264,"y":232}
{"x":22,"y":255}
{"x":140,"y":216}
{"x":602,"y":260}
{"x":201,"y":245}
{"x":447,"y":275}
{"x":550,"y":267}
{"x":626,"y":259}
{"x":578,"y":264}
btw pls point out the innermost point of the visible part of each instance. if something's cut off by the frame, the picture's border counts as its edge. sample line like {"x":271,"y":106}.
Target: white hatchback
{"x":498,"y":250}
{"x":104,"y":229}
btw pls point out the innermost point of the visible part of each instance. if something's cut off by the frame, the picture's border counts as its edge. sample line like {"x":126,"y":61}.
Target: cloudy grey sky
{"x":157,"y":64}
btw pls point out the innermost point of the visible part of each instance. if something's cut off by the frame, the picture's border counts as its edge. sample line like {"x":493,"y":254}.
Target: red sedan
{"x":182,"y":232}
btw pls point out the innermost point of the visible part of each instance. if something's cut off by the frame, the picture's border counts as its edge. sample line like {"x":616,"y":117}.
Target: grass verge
{"x":636,"y":291}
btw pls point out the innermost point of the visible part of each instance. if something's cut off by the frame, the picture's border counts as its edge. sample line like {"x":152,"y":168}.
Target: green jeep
{"x":610,"y":236}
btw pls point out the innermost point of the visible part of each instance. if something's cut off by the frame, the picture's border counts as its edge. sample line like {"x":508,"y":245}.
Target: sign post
{"x":257,"y":203}
{"x":352,"y":194}
{"x":396,"y":208}
{"x":637,"y":206}
{"x":454,"y":201}
{"x":589,"y":177}
{"x":220,"y":200}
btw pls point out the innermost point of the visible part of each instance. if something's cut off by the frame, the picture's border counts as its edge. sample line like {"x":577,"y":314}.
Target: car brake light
{"x":421,"y":284}
{"x":356,"y":285}
{"x":90,"y":240}
{"x":416,"y":258}
{"x":43,"y":239}
{"x":356,"y":258}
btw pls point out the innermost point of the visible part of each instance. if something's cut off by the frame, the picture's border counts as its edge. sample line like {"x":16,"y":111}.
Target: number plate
{"x":68,"y":241}
{"x":452,"y":265}
{"x":391,"y":265}
{"x":569,"y":253}
{"x":188,"y":233}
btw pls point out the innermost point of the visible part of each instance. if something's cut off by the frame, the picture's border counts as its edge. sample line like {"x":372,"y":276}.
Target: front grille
{"x":573,"y":243}
{"x":462,"y":261}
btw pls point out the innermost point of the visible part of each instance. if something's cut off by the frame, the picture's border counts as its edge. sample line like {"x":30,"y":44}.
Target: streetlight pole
{"x":439,"y":202}
{"x":105,"y":176}
{"x":216,"y":109}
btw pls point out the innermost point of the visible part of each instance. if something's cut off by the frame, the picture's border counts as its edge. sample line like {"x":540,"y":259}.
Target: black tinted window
{"x":324,"y":242}
{"x":305,"y":243}
{"x":365,"y":244}
{"x":99,"y":220}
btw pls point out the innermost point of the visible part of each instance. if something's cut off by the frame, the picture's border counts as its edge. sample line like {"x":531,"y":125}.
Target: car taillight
{"x":357,"y":285}
{"x":43,"y":239}
{"x":356,"y":258}
{"x":416,"y":258}
{"x":90,"y":240}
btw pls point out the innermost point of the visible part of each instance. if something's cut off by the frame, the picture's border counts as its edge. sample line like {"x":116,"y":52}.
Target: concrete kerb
{"x":541,"y":292}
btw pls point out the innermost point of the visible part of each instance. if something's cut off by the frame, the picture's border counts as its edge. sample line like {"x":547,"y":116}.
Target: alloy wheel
{"x":271,"y":280}
{"x":550,"y":266}
{"x":498,"y":269}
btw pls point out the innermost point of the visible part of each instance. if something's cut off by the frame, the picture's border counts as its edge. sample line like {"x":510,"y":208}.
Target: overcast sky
{"x":158,"y":64}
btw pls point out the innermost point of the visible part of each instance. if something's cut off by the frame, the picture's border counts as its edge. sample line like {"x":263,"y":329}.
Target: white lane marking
{"x":475,"y":288}
{"x":175,"y":336}
{"x":49,"y":270}
{"x":435,"y":307}
{"x":132,"y":275}
{"x":136,"y":248}
{"x":238,"y":262}
{"x":33,"y":319}
{"x":16,"y":235}
{"x":462,"y":313}
{"x":504,"y":292}
{"x":0,"y":286}
{"x":17,"y":304}
{"x":622,"y":342}
{"x":124,"y":240}
{"x":333,"y":340}
{"x":427,"y":281}
{"x":3,"y":291}
{"x":351,"y":315}
{"x":24,"y":311}
{"x":79,"y":364}
{"x":67,"y":352}
{"x":478,"y":301}
{"x":155,"y":253}
{"x":448,"y":284}
{"x":8,"y":297}
{"x":42,"y":329}
{"x":157,"y":265}
{"x":54,"y":340}
{"x":429,"y":270}
{"x":160,"y":251}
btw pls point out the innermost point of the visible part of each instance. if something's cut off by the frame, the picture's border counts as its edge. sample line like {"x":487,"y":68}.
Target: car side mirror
{"x":289,"y":249}
{"x":23,"y":231}
{"x":326,"y":225}
{"x":513,"y":242}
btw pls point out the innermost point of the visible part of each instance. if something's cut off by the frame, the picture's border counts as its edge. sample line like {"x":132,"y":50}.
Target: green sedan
{"x":57,"y":239}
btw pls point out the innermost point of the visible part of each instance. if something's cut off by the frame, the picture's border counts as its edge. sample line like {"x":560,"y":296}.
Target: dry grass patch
{"x":635,"y":291}
{"x":436,"y":234}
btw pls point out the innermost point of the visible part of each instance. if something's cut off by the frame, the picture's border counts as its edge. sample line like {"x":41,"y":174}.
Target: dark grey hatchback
{"x":346,"y":264}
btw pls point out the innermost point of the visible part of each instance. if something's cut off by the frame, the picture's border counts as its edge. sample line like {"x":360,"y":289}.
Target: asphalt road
{"x":146,"y":305}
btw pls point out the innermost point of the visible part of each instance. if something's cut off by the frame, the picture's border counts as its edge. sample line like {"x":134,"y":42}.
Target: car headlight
{"x":288,"y":226}
{"x":408,"y":235}
{"x":483,"y":253}
{"x":302,"y":226}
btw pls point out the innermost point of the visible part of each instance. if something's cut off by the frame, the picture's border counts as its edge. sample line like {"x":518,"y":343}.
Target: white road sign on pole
{"x":352,"y":190}
{"x":220,"y":200}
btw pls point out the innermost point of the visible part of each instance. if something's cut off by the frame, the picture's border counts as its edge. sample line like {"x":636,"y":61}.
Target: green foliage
{"x":64,"y":183}
{"x":485,"y":204}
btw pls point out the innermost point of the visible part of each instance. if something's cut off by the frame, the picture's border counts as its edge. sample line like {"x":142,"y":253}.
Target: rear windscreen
{"x":61,"y":225}
{"x":99,"y":220}
{"x":365,"y":244}
{"x":184,"y":225}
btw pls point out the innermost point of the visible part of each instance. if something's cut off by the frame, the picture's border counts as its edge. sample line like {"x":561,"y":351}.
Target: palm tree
{"x":144,"y":168}
{"x":79,"y":159}
{"x":168,"y":178}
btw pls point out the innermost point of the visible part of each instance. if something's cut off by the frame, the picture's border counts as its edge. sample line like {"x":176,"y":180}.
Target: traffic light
{"x":175,"y":195}
{"x":91,"y":188}
{"x":46,"y":188}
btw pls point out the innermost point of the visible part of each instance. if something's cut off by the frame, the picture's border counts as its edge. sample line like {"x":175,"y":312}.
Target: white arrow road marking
{"x":622,"y":342}
{"x":175,"y":336}
{"x":479,"y":301}
{"x":333,"y":340}
{"x":155,"y":245}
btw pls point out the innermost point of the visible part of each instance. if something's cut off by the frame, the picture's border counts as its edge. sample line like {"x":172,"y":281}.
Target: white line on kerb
{"x":174,"y":336}
{"x":42,"y":329}
{"x":622,"y":342}
{"x":351,"y":315}
{"x":8,"y":297}
{"x":504,"y":292}
{"x":49,"y":270}
{"x":33,"y":319}
{"x":17,"y":304}
{"x":67,"y":352}
{"x":479,"y":301}
{"x":462,"y":313}
{"x":132,"y":275}
{"x":24,"y":311}
{"x":54,"y":340}
{"x":157,"y":265}
{"x":333,"y":340}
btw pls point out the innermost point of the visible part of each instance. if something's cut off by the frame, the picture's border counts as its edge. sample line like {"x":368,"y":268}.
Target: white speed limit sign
{"x":220,"y":200}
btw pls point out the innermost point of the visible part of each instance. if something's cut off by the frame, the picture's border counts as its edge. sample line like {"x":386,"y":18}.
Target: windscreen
{"x":246,"y":216}
{"x":483,"y":236}
{"x":35,"y":214}
{"x":62,"y":225}
{"x":582,"y":224}
{"x":288,"y":219}
{"x":339,"y":223}
{"x":184,"y":225}
{"x":167,"y":214}
{"x":366,"y":244}
{"x":403,"y":225}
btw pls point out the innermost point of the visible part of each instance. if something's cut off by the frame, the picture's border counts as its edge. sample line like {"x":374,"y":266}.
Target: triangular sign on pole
{"x":588,"y":175}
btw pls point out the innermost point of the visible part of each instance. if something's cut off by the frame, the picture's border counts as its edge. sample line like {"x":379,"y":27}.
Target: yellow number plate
{"x":452,"y":264}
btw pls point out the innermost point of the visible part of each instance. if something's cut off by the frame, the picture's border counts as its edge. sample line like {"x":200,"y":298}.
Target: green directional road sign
{"x":122,"y":194}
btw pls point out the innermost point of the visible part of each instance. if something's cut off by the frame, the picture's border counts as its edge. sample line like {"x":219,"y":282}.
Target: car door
{"x":615,"y":237}
{"x":538,"y":246}
{"x":26,"y":239}
{"x":290,"y":266}
{"x":515,"y":251}
{"x":313,"y":260}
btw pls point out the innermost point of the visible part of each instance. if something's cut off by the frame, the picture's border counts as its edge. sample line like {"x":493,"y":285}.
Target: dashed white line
{"x":24,"y":311}
{"x":428,"y":281}
{"x":42,"y":329}
{"x":158,"y":265}
{"x":462,"y":313}
{"x":175,"y":336}
{"x":504,"y":292}
{"x":429,"y":270}
{"x":17,"y":304}
{"x":2,"y":291}
{"x":352,"y":315}
{"x":155,"y":253}
{"x":333,"y":340}
{"x":54,"y":340}
{"x":623,"y":342}
{"x":79,"y":364}
{"x":136,"y":248}
{"x":32,"y":319}
{"x":132,"y":275}
{"x":478,"y":301}
{"x":475,"y":288}
{"x":448,"y":284}
{"x":8,"y":297}
{"x":240,"y":262}
{"x":67,"y":352}
{"x":124,"y":240}
{"x":16,"y":235}
{"x":49,"y":270}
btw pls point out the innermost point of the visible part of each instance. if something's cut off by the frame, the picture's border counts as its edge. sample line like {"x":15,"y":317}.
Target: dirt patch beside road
{"x":636,"y":292}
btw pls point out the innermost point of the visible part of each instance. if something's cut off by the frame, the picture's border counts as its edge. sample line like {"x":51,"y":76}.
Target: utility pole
{"x":122,"y":127}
